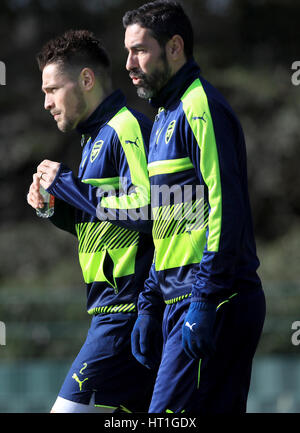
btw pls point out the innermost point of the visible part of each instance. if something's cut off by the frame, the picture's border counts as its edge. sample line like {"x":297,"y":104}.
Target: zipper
{"x":111,"y":278}
{"x":192,"y":240}
{"x":159,"y":130}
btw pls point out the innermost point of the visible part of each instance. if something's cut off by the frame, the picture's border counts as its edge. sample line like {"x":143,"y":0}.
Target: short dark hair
{"x":77,"y":49}
{"x":164,"y":18}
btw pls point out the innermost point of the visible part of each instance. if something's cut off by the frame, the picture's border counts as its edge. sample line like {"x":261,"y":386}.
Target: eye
{"x":50,"y":90}
{"x":138,"y":50}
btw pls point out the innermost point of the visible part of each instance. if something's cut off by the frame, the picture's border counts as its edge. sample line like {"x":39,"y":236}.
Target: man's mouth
{"x":55,"y":115}
{"x":136,"y":78}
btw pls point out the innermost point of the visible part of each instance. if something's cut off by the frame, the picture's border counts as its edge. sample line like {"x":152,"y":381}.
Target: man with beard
{"x":205,"y":263}
{"x":112,"y":179}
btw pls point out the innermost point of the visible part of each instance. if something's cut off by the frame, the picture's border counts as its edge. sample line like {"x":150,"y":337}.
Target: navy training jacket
{"x":101,"y":205}
{"x":202,"y":224}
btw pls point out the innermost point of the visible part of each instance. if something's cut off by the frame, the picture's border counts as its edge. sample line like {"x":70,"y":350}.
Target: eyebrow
{"x":135,"y":46}
{"x":49,"y":86}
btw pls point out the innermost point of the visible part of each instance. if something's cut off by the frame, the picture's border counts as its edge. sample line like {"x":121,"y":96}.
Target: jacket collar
{"x":103,"y":113}
{"x":177,"y":85}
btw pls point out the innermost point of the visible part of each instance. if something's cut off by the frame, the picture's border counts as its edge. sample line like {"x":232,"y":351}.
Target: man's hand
{"x":146,"y":341}
{"x":34,"y":198}
{"x":45,"y":175}
{"x":197,"y":330}
{"x":47,"y":171}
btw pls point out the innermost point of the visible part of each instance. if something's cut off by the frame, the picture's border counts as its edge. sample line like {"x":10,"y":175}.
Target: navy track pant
{"x":221,"y":383}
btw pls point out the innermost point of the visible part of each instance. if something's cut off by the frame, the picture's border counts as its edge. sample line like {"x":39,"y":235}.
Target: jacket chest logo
{"x":96,"y":149}
{"x":170,"y":131}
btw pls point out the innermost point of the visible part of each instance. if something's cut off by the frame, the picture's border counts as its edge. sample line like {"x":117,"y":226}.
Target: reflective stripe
{"x":179,"y":218}
{"x":179,"y":234}
{"x":98,"y":236}
{"x":94,"y":269}
{"x":179,"y":298}
{"x":171,"y":411}
{"x":131,"y":139}
{"x":179,"y":250}
{"x":194,"y":101}
{"x":124,"y":409}
{"x":199,"y":368}
{"x":226,"y":300}
{"x":121,"y":308}
{"x":169,"y":166}
{"x":111,"y":409}
{"x":106,"y":183}
{"x":101,"y":244}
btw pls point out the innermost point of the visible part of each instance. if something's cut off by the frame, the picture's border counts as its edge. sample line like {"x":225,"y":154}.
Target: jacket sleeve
{"x":123,"y":200}
{"x":130,"y":207}
{"x":64,"y":216}
{"x":68,"y":188}
{"x":150,"y":299}
{"x":216,"y":148}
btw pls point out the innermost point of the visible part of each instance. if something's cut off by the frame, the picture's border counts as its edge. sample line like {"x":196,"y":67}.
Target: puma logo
{"x":133,"y":142}
{"x":80,"y":382}
{"x":190,"y":325}
{"x":83,"y":368}
{"x":200,"y":117}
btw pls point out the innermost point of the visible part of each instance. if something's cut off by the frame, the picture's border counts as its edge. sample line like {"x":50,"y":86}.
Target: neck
{"x":178,"y":65}
{"x":94,"y":99}
{"x":178,"y":82}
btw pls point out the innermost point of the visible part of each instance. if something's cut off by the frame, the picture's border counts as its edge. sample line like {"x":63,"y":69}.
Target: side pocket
{"x":197,"y":244}
{"x":108,"y":271}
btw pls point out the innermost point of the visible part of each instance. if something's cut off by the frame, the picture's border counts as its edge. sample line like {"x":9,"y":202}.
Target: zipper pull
{"x":158,"y":113}
{"x":85,"y":139}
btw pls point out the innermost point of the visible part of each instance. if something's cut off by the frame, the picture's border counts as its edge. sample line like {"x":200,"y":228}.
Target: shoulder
{"x":204,"y":102}
{"x":128,"y":116}
{"x":142,"y":120}
{"x":131,"y":126}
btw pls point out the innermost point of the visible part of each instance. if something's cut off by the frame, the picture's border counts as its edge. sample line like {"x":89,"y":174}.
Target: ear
{"x":87,"y":79}
{"x":175,"y":48}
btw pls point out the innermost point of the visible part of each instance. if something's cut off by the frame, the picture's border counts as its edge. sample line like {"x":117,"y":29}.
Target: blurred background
{"x":246,"y":49}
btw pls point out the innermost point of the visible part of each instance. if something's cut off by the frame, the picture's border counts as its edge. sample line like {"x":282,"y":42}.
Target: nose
{"x":48,"y":103}
{"x":131,"y":62}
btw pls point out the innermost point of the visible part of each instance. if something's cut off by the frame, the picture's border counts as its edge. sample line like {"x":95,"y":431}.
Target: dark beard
{"x":153,"y":83}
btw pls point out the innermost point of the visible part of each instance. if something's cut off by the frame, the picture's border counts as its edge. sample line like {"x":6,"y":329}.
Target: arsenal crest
{"x":170,"y":131}
{"x":96,"y":149}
